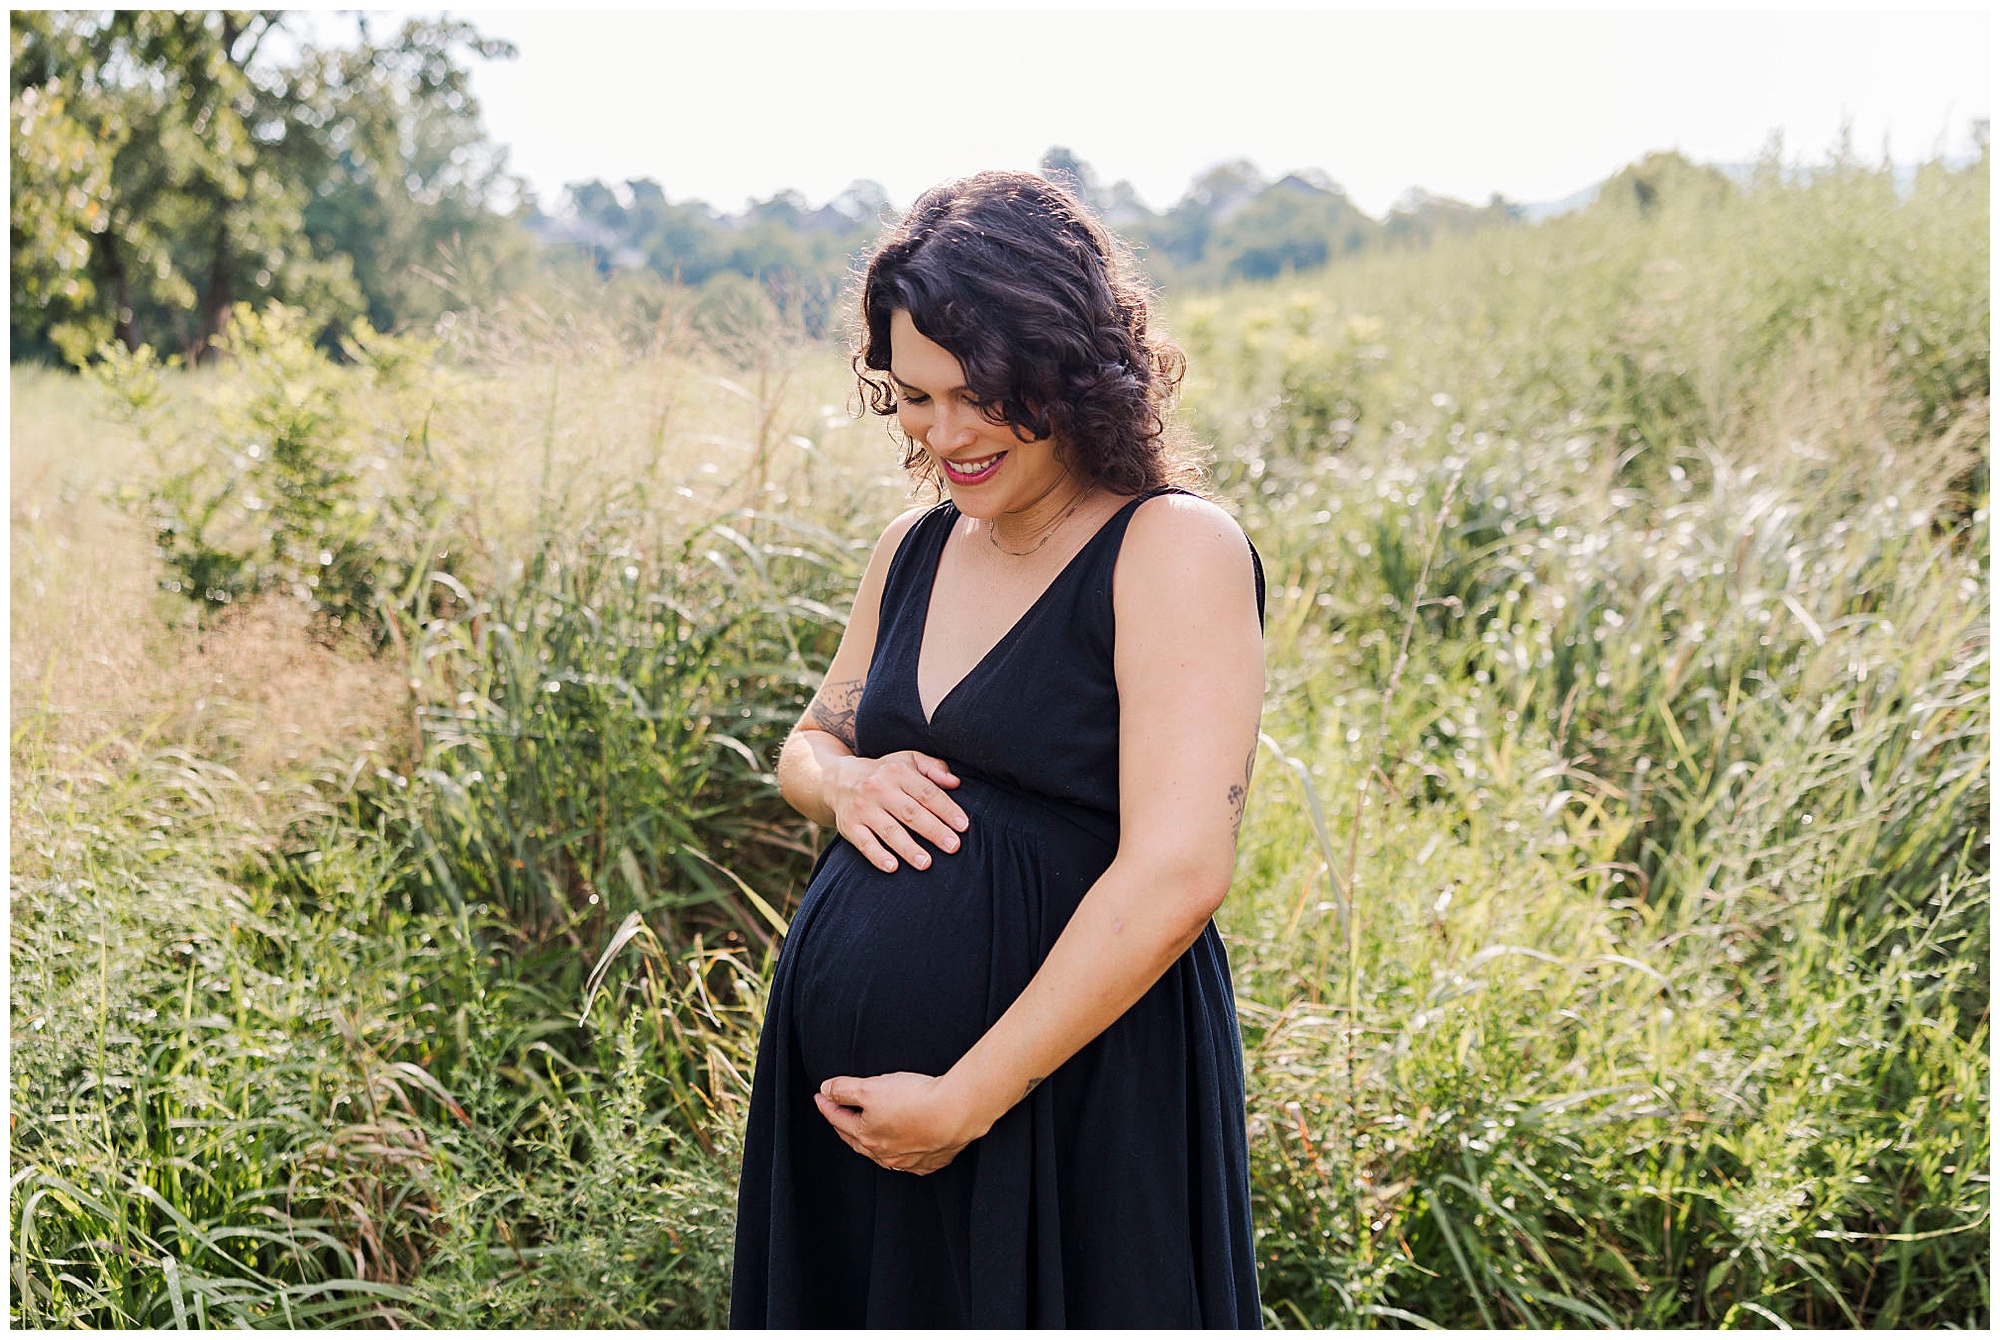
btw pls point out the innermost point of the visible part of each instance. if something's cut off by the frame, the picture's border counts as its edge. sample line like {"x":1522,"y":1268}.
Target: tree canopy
{"x":169,"y":164}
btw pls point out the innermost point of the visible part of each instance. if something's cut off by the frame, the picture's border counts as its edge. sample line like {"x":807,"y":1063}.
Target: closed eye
{"x":910,"y":396}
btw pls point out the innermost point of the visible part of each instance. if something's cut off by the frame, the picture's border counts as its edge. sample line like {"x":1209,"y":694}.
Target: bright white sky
{"x":727,"y":106}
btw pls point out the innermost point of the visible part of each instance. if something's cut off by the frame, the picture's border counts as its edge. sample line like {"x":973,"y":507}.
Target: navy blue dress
{"x":1117,"y":1192}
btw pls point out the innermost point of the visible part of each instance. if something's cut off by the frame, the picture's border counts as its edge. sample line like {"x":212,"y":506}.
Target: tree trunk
{"x":113,"y":261}
{"x":215,"y":302}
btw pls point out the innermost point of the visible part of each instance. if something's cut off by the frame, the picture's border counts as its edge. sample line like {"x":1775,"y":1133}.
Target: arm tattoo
{"x":832,"y":709}
{"x":1238,"y":795}
{"x":1031,"y":1086}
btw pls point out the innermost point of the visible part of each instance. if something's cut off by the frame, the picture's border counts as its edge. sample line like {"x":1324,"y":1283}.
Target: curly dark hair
{"x":1046,"y":312}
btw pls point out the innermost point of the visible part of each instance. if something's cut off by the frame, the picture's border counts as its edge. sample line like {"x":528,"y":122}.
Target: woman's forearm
{"x":1128,"y":930}
{"x":804,"y":767}
{"x":823,"y":737}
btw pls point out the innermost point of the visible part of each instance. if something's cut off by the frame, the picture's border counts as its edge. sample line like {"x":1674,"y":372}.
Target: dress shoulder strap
{"x":916,"y":554}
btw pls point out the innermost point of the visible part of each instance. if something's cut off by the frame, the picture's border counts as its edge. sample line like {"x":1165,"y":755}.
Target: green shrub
{"x":284,"y":488}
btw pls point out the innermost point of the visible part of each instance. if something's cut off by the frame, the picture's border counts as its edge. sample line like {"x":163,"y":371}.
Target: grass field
{"x":1611,"y":918}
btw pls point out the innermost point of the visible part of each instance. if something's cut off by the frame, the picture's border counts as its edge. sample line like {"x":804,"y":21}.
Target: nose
{"x":951,"y":427}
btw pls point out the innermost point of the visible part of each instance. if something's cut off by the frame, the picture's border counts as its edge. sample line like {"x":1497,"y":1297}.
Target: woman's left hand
{"x":904,"y":1121}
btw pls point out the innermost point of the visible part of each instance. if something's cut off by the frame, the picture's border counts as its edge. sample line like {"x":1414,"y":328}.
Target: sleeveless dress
{"x":1117,"y":1192}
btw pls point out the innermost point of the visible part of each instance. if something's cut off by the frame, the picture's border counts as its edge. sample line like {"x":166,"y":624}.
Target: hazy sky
{"x":726,"y":106}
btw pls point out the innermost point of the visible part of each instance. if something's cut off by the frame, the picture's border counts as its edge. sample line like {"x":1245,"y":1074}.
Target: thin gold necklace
{"x":992,"y":529}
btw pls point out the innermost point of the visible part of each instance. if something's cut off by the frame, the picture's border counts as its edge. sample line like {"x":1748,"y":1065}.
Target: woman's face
{"x":988,"y":470}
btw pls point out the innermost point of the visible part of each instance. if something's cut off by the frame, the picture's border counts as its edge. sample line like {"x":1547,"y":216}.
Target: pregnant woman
{"x":1000,"y":1082}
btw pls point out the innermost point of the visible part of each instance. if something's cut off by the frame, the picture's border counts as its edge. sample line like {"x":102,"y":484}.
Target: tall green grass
{"x":601,"y":720}
{"x":1611,"y":922}
{"x":1639,"y":974}
{"x":203,"y":1134}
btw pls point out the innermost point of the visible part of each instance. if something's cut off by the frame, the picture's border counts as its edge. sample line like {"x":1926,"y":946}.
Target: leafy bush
{"x":282,"y":494}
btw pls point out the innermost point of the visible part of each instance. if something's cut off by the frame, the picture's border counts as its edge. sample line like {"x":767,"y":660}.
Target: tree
{"x":1660,"y":176}
{"x":1061,"y":166}
{"x":1418,"y":216}
{"x":798,"y":257}
{"x":59,"y":183}
{"x":408,"y":183}
{"x":168,"y":164}
{"x":1123,"y":207}
{"x":866,"y":202}
{"x":1293,"y":224}
{"x":1226,"y":187}
{"x":1179,"y":239}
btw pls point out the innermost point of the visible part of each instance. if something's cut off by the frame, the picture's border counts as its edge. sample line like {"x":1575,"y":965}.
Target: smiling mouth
{"x":972,"y":472}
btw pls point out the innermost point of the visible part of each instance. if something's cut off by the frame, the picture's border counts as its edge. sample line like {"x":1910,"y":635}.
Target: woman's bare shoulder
{"x":1183,"y":557}
{"x":893,"y":533}
{"x":1171,"y":528}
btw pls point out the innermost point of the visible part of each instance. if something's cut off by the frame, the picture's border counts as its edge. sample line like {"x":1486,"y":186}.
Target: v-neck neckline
{"x":930,"y":590}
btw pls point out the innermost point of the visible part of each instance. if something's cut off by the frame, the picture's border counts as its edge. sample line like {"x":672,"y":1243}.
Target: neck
{"x":1028,"y":525}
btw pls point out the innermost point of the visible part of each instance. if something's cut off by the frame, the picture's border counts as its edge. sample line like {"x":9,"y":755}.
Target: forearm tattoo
{"x":833,"y":707}
{"x":1239,"y":795}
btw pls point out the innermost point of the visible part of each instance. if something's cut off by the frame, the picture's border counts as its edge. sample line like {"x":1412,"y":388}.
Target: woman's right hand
{"x":878,"y":803}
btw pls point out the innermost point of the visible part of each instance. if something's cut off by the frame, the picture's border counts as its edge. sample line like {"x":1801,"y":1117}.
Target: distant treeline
{"x":1233,"y":224}
{"x":167,"y":165}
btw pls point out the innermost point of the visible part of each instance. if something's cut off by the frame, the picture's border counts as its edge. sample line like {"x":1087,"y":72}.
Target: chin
{"x":979,"y":504}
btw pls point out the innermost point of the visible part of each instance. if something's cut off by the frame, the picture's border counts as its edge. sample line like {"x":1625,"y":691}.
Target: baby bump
{"x":905,"y":970}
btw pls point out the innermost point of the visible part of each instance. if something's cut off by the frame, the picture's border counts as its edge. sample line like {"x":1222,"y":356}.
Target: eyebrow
{"x":918,"y":389}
